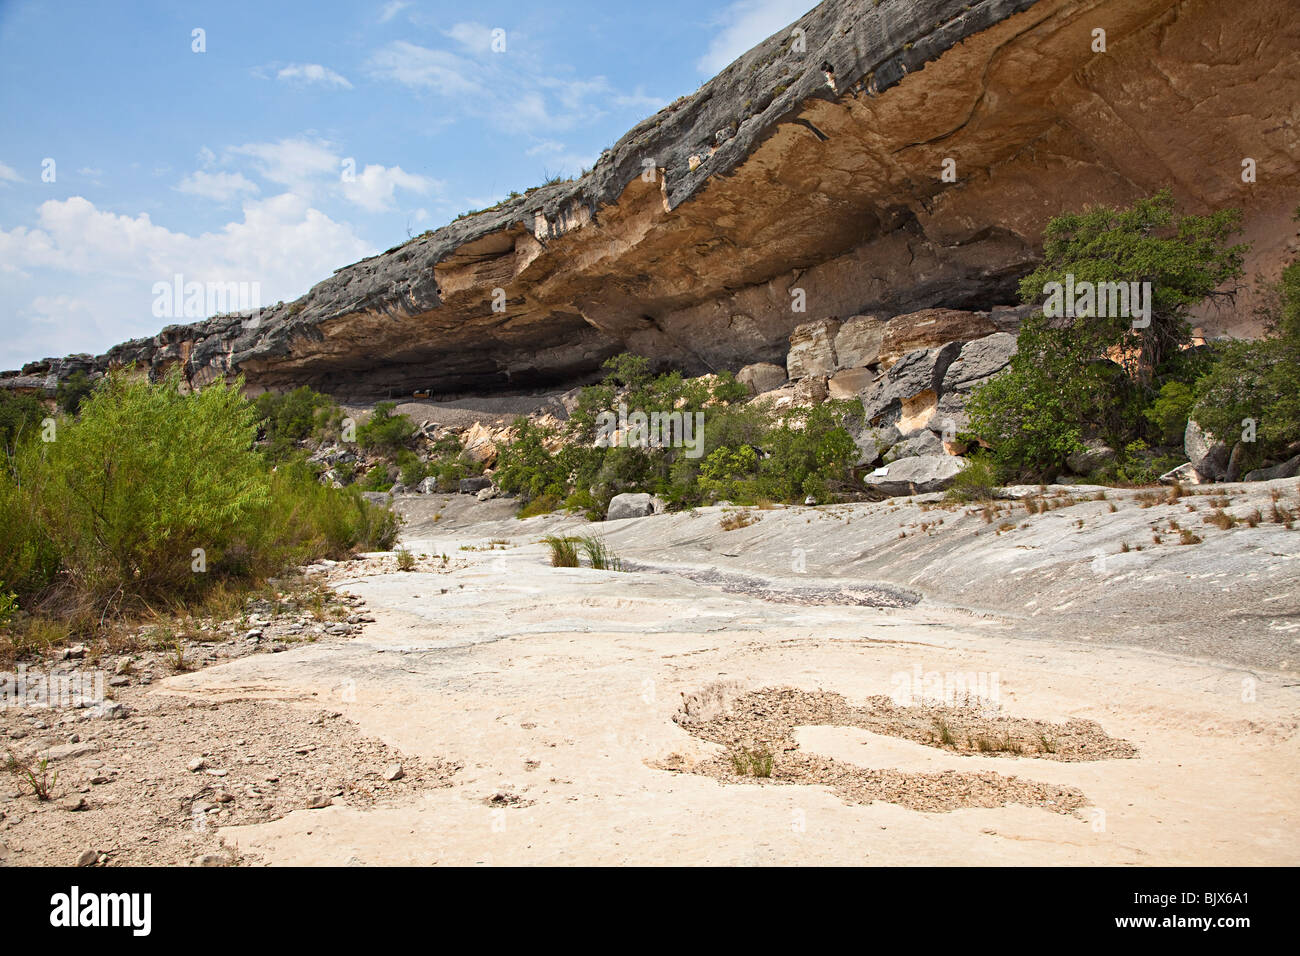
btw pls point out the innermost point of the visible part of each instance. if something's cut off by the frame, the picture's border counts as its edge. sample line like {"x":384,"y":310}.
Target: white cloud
{"x":9,"y":175}
{"x":315,"y":168}
{"x":445,"y":73}
{"x":474,"y":37}
{"x":105,"y":265}
{"x":509,"y":91}
{"x":372,"y":189}
{"x":392,"y":9}
{"x":292,"y":162}
{"x":745,"y":24}
{"x":282,"y":242}
{"x":218,"y":186}
{"x":313,"y":73}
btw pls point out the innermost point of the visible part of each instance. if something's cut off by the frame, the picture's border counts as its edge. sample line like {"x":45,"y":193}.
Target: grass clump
{"x":598,"y":554}
{"x":36,"y":775}
{"x":564,"y":551}
{"x":752,"y":763}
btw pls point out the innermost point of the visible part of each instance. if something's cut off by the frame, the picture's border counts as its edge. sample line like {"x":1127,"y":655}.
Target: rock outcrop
{"x":805,"y":181}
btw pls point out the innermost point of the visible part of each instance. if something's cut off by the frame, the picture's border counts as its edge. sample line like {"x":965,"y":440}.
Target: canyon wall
{"x":810,"y":171}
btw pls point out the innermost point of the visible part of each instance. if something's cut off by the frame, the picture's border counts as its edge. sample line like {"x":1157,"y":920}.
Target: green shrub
{"x":1169,"y":412}
{"x":146,"y":475}
{"x":72,"y":391}
{"x":385,"y":432}
{"x":978,"y":481}
{"x":1076,"y":378}
{"x":20,"y":415}
{"x":598,"y":554}
{"x":293,"y":417}
{"x":8,"y":604}
{"x":376,"y":479}
{"x":112,"y":513}
{"x":1257,"y":381}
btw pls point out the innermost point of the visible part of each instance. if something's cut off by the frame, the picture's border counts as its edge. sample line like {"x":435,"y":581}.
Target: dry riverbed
{"x":809,"y":688}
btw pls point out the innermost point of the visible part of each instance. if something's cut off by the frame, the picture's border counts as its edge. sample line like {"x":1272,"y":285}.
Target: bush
{"x":293,"y":417}
{"x":20,"y":415}
{"x":976,"y":482}
{"x":1256,"y":381}
{"x":112,"y":512}
{"x":72,"y":391}
{"x":385,"y":432}
{"x":146,"y":475}
{"x":1082,"y":377}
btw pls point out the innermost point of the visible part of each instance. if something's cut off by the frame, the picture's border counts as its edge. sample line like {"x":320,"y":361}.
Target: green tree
{"x":1258,"y":382}
{"x":1085,"y":376}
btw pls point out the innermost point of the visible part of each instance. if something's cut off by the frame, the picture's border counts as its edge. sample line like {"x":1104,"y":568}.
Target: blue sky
{"x":232,"y":164}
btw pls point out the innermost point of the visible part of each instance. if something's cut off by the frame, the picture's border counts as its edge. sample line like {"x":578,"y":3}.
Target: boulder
{"x":810,"y":391}
{"x":397,"y":489}
{"x":1208,"y":455}
{"x":1094,"y":454}
{"x":929,"y":329}
{"x":857,"y":343}
{"x":915,"y":373}
{"x":1287,"y":469}
{"x":924,"y":442}
{"x":633,"y":505}
{"x":978,"y":361}
{"x":873,"y":443}
{"x":472,"y":486}
{"x":427,"y":486}
{"x":479,"y":444}
{"x":916,"y":475}
{"x":850,"y":382}
{"x":488,"y":493}
{"x":761,"y":377}
{"x":812,"y":349}
{"x":1184,"y":474}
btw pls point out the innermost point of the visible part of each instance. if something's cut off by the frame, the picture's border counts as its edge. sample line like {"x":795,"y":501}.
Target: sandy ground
{"x":598,"y":717}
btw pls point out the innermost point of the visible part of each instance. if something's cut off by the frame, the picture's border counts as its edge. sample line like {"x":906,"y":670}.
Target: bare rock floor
{"x":661,"y":716}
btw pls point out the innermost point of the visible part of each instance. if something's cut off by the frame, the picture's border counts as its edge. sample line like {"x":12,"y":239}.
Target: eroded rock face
{"x":780,"y":179}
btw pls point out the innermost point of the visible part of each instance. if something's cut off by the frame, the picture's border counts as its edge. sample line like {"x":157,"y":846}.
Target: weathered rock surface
{"x":924,"y":442}
{"x":1095,"y":454}
{"x":857,"y":343}
{"x":1287,"y":469}
{"x":915,"y":475}
{"x":929,"y":329}
{"x":812,"y":349}
{"x":761,"y":377}
{"x":629,"y":505}
{"x":1207,"y":455}
{"x":815,"y":169}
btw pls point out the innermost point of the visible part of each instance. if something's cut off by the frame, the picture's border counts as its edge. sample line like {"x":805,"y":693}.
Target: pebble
{"x":394,"y":772}
{"x":88,"y":858}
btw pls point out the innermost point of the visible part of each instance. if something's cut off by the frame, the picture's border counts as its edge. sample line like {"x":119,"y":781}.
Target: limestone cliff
{"x":814,"y":162}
